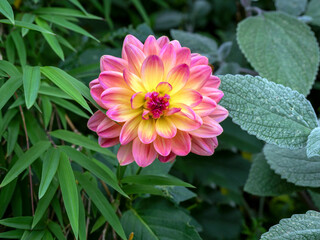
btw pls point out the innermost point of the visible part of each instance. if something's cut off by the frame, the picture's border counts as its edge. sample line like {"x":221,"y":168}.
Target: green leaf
{"x":47,"y":236}
{"x":56,"y":230}
{"x":82,"y":219}
{"x":9,"y":68}
{"x":95,"y":167}
{"x":138,"y":5}
{"x":313,"y":143}
{"x":197,"y":43}
{"x":34,"y":235}
{"x":27,"y":25}
{"x":6,"y":120}
{"x":263,"y":181}
{"x":13,"y":133}
{"x":17,"y":222}
{"x":142,"y":189}
{"x":13,"y":234}
{"x":6,"y":196}
{"x":155,"y":180}
{"x":272,"y":112}
{"x":53,"y":91}
{"x":101,"y":203}
{"x":69,"y":192}
{"x":25,"y":160}
{"x":8,"y":89}
{"x":47,"y":110}
{"x":65,"y":82}
{"x":294,"y":165}
{"x":10,"y":50}
{"x":44,"y":203}
{"x":69,"y":106}
{"x":67,"y":12}
{"x":21,"y":49}
{"x":293,"y":7}
{"x":298,"y":227}
{"x":31,"y":84}
{"x":148,"y":218}
{"x":78,"y":5}
{"x":281,"y":48}
{"x":6,"y":10}
{"x":82,"y":141}
{"x":313,"y":10}
{"x":51,"y":39}
{"x":61,"y":21}
{"x":29,"y":18}
{"x":64,"y":42}
{"x":49,"y":168}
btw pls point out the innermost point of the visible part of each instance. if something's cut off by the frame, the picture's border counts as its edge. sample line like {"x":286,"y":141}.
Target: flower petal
{"x":151,"y":46}
{"x":132,"y":40}
{"x":135,"y":58}
{"x":184,"y":123}
{"x":170,"y":158}
{"x":165,"y":127}
{"x":188,"y":97}
{"x":95,"y":120}
{"x":108,"y":129}
{"x":108,"y":142}
{"x":198,"y":60}
{"x":198,"y":76}
{"x":111,"y":63}
{"x":121,"y":113}
{"x":181,"y":143}
{"x":147,"y":131}
{"x":208,"y":129}
{"x":219,"y":114}
{"x":178,"y":77}
{"x":96,"y":92}
{"x":152,"y":72}
{"x":214,"y":94}
{"x":168,"y":56}
{"x":206,"y":107}
{"x":162,"y":41}
{"x":94,"y":82}
{"x":115,"y":96}
{"x":124,"y":154}
{"x":133,"y":81}
{"x":176,"y":44}
{"x":109,"y":79}
{"x":213,"y":82}
{"x":163,"y":87}
{"x":183,"y":56}
{"x":129,"y":130}
{"x":172,"y":110}
{"x":137,"y":100}
{"x":144,"y":154}
{"x":162,"y":145}
{"x":203,"y":146}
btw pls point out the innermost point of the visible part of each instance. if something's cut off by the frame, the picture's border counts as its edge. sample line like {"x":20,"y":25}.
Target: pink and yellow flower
{"x":161,"y":101}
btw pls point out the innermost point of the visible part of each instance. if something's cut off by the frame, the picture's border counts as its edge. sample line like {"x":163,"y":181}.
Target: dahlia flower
{"x":160,"y":100}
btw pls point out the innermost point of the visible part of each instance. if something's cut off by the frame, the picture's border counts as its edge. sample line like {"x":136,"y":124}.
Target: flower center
{"x":156,"y":103}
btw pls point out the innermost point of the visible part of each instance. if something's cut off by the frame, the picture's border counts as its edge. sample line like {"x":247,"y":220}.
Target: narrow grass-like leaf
{"x":82,"y":141}
{"x":30,"y":26}
{"x":49,"y":168}
{"x":6,"y":120}
{"x":17,"y":222}
{"x":47,"y":110}
{"x":138,"y":5}
{"x":21,"y":48}
{"x":9,"y":68}
{"x":34,"y":235}
{"x":51,"y":39}
{"x":25,"y":160}
{"x":95,"y":167}
{"x":69,"y":192}
{"x":61,"y":21}
{"x":31,"y":84}
{"x":107,"y":10}
{"x":47,"y":236}
{"x":8,"y":89}
{"x":69,"y":106}
{"x":13,"y":234}
{"x":142,"y":189}
{"x":62,"y":80}
{"x":67,"y":12}
{"x":155,"y":180}
{"x":6,"y":10}
{"x":10,"y":49}
{"x":6,"y":195}
{"x":56,"y":230}
{"x":101,"y":203}
{"x":274,"y":113}
{"x":82,"y":219}
{"x":44,"y":202}
{"x":53,"y":91}
{"x":78,"y":5}
{"x":29,"y":18}
{"x":13,"y":132}
{"x":55,"y":203}
{"x":64,"y":42}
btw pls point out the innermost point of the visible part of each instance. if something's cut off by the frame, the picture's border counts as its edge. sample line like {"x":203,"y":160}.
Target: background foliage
{"x":58,"y":183}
